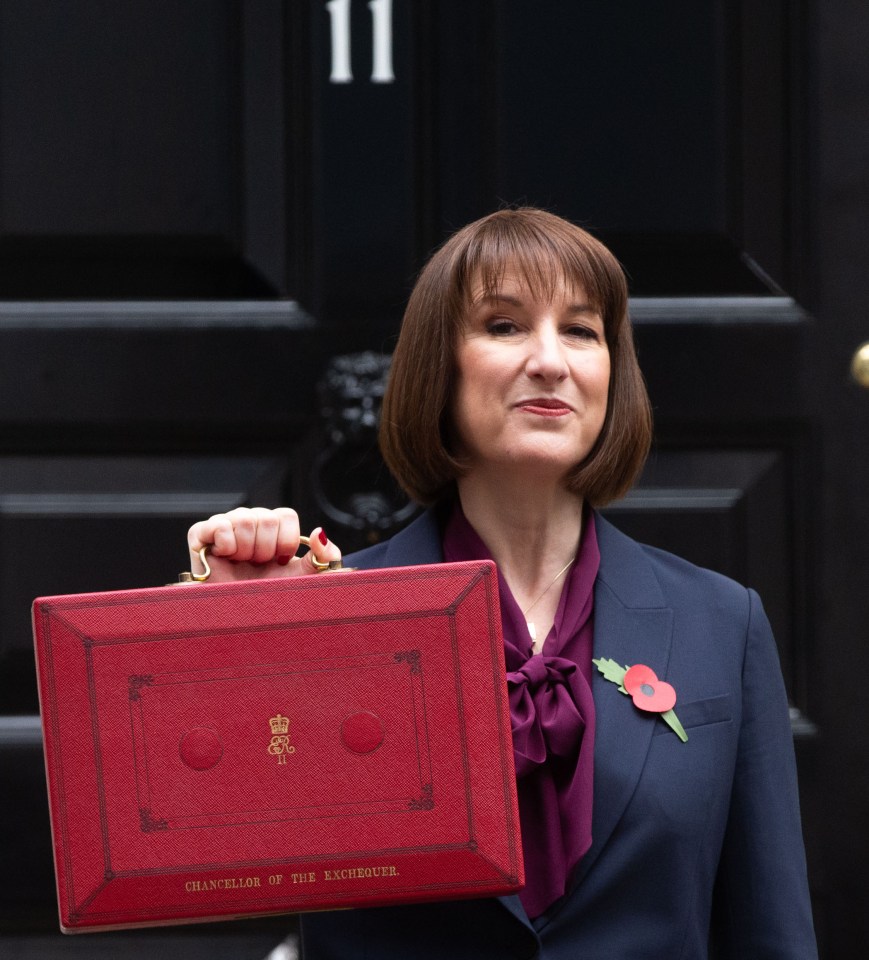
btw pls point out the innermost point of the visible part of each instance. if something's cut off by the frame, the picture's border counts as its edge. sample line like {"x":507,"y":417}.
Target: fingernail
{"x":284,"y":560}
{"x":323,"y":538}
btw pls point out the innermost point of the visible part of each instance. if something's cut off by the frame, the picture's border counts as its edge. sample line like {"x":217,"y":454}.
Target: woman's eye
{"x":500,"y":327}
{"x":582,"y":333}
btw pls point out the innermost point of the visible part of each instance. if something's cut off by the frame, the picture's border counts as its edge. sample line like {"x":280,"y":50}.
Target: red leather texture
{"x":225,"y":750}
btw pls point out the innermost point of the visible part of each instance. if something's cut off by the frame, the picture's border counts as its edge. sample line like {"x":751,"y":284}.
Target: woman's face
{"x":532,"y":381}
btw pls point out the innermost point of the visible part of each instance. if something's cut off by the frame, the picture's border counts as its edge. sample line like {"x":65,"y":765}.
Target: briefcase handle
{"x":332,"y":566}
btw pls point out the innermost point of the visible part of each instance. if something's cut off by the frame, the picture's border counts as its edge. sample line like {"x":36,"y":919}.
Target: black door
{"x":203,"y":204}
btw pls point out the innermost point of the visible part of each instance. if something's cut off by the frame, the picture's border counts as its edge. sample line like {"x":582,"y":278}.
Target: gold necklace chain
{"x":548,"y":588}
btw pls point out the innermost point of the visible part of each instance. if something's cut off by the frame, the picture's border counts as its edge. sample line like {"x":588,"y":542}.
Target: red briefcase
{"x":225,"y":750}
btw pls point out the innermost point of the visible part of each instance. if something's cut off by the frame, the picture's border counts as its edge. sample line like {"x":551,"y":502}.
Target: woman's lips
{"x":545,"y":406}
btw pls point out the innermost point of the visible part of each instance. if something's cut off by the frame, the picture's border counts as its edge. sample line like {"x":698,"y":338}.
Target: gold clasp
{"x":332,"y":566}
{"x":187,"y":577}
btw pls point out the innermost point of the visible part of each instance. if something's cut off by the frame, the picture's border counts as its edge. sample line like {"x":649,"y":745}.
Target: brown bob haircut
{"x":416,"y":421}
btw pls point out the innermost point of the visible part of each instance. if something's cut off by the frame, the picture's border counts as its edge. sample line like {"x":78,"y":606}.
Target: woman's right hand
{"x":250,"y":543}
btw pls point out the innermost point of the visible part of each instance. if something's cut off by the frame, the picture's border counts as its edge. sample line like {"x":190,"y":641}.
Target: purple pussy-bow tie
{"x":544,"y":706}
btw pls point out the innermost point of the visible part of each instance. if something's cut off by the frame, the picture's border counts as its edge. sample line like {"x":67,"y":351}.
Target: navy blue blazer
{"x":691,"y":841}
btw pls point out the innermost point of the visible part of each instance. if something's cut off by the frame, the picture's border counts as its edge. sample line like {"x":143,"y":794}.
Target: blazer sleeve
{"x":763,"y":909}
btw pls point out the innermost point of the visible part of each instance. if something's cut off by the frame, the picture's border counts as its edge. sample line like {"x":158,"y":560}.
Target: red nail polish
{"x":323,"y":538}
{"x":283,"y":560}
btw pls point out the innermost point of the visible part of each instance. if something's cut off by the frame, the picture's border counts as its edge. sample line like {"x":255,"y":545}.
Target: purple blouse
{"x":552,"y":714}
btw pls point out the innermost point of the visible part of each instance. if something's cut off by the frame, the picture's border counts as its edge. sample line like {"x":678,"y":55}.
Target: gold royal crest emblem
{"x":280,"y":745}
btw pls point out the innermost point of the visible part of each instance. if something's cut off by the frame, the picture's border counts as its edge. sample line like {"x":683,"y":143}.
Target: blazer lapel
{"x":631,"y":625}
{"x":416,"y":544}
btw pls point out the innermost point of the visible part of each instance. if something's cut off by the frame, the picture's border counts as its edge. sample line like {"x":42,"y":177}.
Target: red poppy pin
{"x":648,"y":692}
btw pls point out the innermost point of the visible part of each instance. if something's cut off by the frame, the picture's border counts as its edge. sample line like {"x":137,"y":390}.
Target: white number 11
{"x":381,"y":33}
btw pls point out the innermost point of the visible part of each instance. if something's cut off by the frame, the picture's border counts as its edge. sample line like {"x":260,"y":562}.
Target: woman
{"x":515,"y":407}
